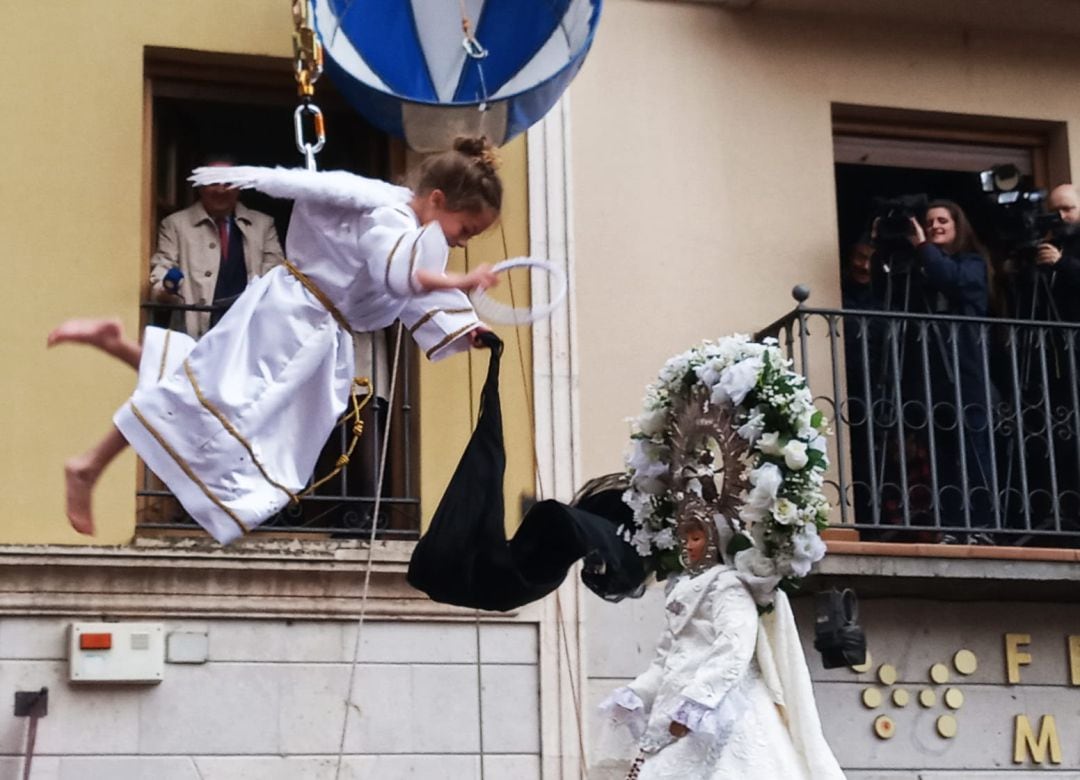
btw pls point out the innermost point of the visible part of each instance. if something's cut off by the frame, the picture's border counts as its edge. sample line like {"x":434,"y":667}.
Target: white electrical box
{"x":116,"y":653}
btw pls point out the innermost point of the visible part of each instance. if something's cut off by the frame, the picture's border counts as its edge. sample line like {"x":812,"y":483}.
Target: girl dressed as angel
{"x":234,"y":423}
{"x":728,"y":694}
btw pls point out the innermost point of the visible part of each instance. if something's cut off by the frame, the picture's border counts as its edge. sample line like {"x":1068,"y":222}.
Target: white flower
{"x":652,"y":421}
{"x":785,"y":512}
{"x":642,"y":542}
{"x":769,"y":443}
{"x":665,"y":539}
{"x":739,"y":379}
{"x":807,"y":548}
{"x":795,"y":454}
{"x":709,"y":372}
{"x":766,"y":480}
{"x":752,"y":429}
{"x":646,"y":458}
{"x":650,"y":485}
{"x":754,"y":562}
{"x":817,"y":443}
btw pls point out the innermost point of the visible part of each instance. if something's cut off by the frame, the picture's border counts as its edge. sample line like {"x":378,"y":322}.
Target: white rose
{"x":646,"y":458}
{"x":818,"y":443}
{"x":785,"y":512}
{"x":652,"y":421}
{"x":738,"y":380}
{"x":709,"y":373}
{"x":795,"y":454}
{"x":766,"y":480}
{"x":752,"y":561}
{"x":807,"y":548}
{"x":769,"y":443}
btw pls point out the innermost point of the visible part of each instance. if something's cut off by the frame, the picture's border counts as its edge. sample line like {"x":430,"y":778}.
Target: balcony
{"x":952,"y":431}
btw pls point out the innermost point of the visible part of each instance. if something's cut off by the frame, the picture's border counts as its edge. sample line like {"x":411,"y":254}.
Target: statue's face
{"x":696,"y":543}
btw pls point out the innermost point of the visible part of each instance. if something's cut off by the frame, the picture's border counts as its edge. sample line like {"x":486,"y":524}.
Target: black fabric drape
{"x":465,"y":557}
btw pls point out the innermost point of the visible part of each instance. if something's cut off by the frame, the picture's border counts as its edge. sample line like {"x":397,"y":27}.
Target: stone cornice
{"x":196,"y":578}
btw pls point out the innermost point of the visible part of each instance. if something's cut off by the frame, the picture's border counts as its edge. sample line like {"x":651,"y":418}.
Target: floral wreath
{"x":730,"y":432}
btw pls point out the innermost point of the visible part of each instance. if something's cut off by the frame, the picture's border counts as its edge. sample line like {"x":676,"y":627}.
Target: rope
{"x":371,"y":550}
{"x":583,"y":770}
{"x":473,"y":418}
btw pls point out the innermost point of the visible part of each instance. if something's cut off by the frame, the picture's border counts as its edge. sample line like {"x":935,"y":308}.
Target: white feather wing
{"x":335,"y":187}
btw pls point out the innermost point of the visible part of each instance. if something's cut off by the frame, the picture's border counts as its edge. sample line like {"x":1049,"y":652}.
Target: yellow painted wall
{"x":448,"y":413}
{"x":703,"y":161}
{"x":72,"y":227}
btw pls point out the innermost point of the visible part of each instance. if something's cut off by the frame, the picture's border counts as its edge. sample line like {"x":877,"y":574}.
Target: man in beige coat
{"x":215,"y":246}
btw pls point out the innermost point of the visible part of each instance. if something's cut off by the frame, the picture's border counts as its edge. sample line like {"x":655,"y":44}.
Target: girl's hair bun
{"x":480,"y":149}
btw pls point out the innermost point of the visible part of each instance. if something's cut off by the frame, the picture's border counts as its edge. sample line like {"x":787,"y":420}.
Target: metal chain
{"x":307,"y":66}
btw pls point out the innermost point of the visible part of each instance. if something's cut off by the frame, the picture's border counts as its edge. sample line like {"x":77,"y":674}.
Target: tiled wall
{"x":268,"y":703}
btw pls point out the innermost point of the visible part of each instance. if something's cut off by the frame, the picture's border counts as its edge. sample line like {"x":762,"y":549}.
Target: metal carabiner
{"x":473,"y":48}
{"x":309,"y":150}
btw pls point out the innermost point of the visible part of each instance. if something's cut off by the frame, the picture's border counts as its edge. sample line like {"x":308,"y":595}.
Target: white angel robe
{"x":234,"y":424}
{"x":740,"y":686}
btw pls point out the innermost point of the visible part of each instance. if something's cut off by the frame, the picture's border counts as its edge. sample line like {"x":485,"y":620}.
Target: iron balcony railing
{"x":945,"y":428}
{"x":345,"y":505}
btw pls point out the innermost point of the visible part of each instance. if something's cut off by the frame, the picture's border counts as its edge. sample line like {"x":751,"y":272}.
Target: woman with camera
{"x":956,"y":282}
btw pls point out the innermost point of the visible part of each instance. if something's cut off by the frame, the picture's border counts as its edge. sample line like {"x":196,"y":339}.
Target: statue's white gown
{"x":733,"y":680}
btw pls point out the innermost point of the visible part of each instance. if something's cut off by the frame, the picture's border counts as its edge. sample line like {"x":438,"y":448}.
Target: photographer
{"x":863,"y":338}
{"x":1062,"y":253}
{"x":944,"y":425}
{"x":957,"y":282}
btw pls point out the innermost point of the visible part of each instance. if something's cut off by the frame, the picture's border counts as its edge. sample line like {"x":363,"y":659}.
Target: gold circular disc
{"x":939,"y":673}
{"x":884,"y":727}
{"x":900,"y":697}
{"x":887,"y":674}
{"x":871,"y":698}
{"x":954,"y":698}
{"x":946,"y":726}
{"x":865,"y":665}
{"x":965,"y":662}
{"x":927,"y":698}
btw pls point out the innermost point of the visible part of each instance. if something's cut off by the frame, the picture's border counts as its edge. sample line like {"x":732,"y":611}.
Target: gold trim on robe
{"x":188,"y":471}
{"x":221,"y":418}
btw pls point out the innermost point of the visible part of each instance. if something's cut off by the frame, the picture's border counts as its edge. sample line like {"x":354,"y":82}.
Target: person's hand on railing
{"x":170,"y":287}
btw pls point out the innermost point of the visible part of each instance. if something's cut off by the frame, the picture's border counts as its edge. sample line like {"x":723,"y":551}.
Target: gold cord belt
{"x":320,"y":295}
{"x":359,"y":383}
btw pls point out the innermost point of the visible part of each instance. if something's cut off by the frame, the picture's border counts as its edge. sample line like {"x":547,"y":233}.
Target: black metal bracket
{"x":32,"y":703}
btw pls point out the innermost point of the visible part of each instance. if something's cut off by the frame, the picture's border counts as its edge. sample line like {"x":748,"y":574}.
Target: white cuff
{"x":625,"y":708}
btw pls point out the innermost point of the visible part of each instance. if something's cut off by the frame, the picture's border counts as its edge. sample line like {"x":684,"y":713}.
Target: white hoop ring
{"x":498,"y":313}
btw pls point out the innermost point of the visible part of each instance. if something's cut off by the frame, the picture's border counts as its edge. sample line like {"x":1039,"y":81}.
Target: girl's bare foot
{"x":103,"y":333}
{"x":80,"y":477}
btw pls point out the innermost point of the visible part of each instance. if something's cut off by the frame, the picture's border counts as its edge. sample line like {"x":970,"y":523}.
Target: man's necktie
{"x":223,"y":233}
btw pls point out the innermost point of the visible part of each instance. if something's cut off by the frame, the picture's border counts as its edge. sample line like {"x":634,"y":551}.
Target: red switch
{"x":95,"y":641}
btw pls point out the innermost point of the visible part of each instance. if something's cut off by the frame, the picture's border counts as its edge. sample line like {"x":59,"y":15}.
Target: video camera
{"x":893,"y":250}
{"x":1021,"y":220}
{"x":893,"y":218}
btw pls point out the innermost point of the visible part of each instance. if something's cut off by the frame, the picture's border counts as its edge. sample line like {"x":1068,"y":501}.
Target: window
{"x":203,"y":104}
{"x":960,"y":417}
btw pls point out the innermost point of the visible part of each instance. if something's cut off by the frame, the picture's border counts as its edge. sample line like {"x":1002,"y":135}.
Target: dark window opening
{"x":958,"y":413}
{"x":208,"y":104}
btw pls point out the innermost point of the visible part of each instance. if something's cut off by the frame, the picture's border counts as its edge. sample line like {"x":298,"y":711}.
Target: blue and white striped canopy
{"x":403,"y":65}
